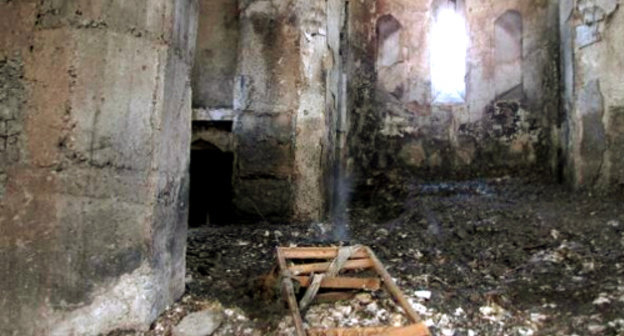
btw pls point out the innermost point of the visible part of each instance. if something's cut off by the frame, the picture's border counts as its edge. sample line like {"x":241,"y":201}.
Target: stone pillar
{"x":592,"y":34}
{"x":94,"y":149}
{"x":282,"y":130}
{"x":312,"y":131}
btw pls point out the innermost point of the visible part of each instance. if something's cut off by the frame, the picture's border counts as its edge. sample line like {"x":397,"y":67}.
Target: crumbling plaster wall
{"x":285,"y":99}
{"x":95,"y":108}
{"x":397,"y":128}
{"x":592,"y":33}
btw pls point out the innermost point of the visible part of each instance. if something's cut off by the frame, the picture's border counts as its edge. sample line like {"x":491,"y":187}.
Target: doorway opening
{"x":211,"y":185}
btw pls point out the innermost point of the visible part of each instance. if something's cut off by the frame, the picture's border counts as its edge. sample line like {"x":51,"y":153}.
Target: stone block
{"x":264,"y":198}
{"x":265,"y":145}
{"x":202,"y":323}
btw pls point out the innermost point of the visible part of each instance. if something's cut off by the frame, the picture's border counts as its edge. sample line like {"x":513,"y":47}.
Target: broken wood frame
{"x":362,"y":258}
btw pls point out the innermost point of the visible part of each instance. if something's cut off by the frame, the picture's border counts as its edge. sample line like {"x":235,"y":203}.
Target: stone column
{"x":312,"y":131}
{"x":592,"y":34}
{"x":94,"y":149}
{"x":282,"y":129}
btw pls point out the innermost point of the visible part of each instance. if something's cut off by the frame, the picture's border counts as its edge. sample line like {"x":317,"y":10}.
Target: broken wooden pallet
{"x":358,"y":258}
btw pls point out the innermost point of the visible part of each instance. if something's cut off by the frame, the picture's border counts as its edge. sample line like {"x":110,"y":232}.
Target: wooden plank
{"x":322,"y":267}
{"x":317,"y":253}
{"x":334,"y":296}
{"x":393,"y":288}
{"x":419,"y":329}
{"x":289,"y":294}
{"x":371,"y":284}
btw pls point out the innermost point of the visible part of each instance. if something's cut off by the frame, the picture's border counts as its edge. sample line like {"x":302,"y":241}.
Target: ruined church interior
{"x":311,"y":167}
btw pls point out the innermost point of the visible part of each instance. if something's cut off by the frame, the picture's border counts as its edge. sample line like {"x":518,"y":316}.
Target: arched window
{"x":388,"y":43}
{"x":508,"y":55}
{"x":448,"y":41}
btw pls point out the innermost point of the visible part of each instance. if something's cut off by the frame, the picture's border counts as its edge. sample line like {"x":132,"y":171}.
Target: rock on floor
{"x":202,"y":323}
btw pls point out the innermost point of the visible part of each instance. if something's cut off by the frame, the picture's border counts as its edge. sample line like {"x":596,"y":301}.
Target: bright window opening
{"x":449,"y":41}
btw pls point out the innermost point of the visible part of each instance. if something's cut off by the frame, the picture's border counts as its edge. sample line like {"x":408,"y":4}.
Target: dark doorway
{"x":211,"y":185}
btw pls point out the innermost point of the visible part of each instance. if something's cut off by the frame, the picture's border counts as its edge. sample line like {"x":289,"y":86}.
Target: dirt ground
{"x":500,"y":257}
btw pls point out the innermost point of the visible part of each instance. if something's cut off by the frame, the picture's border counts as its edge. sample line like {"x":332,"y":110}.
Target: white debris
{"x":619,"y":323}
{"x":447,"y":332}
{"x":382,"y":232}
{"x":396,"y":320}
{"x":596,"y":329}
{"x":588,"y":266}
{"x":601,"y":299}
{"x":526,"y":331}
{"x":423,"y":294}
{"x":420,"y":308}
{"x":364,"y":310}
{"x":372,"y":307}
{"x":538,"y":318}
{"x":364,"y":298}
{"x":418,"y":255}
{"x":493,"y":312}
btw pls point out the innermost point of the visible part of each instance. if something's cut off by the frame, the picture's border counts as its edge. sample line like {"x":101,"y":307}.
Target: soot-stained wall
{"x":508,"y":120}
{"x":95,"y":108}
{"x":284,"y":103}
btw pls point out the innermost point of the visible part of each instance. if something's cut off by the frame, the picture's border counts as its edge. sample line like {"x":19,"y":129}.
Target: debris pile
{"x":488,"y":257}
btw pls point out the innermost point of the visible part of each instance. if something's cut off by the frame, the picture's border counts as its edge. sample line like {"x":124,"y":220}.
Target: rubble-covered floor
{"x":499,"y":257}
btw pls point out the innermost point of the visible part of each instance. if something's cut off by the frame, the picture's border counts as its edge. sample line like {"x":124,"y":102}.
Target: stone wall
{"x":593,"y":94}
{"x":95,"y":108}
{"x":508,"y":119}
{"x":217,"y":52}
{"x":284,"y":102}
